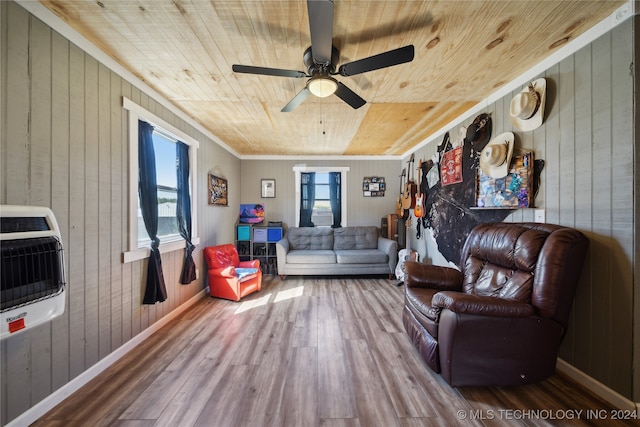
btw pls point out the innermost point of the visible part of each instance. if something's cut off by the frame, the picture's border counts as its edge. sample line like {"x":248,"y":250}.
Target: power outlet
{"x":538,"y":215}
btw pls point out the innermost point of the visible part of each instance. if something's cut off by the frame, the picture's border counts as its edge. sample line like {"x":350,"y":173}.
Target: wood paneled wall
{"x":64,"y":145}
{"x":588,"y":182}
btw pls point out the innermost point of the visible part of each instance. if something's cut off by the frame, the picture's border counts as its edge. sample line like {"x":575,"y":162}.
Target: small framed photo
{"x":268,"y":188}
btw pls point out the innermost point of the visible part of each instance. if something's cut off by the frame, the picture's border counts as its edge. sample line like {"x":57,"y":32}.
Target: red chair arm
{"x":229,"y":271}
{"x":250,"y":264}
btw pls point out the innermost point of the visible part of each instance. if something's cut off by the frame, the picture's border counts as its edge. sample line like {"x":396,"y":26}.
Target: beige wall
{"x":588,"y":182}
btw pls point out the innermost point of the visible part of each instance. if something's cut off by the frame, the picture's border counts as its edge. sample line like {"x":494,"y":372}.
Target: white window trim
{"x":136,"y":113}
{"x":343,"y":187}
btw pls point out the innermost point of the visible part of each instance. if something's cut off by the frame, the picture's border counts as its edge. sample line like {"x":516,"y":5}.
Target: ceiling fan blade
{"x":349,"y":96}
{"x":375,"y":62}
{"x":297,"y":100}
{"x":249,"y":69}
{"x":321,"y":27}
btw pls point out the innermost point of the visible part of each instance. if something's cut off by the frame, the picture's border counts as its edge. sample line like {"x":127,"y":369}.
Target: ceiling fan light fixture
{"x":322,"y":86}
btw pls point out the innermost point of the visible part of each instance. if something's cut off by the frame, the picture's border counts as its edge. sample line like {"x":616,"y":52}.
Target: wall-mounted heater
{"x":32,"y":278}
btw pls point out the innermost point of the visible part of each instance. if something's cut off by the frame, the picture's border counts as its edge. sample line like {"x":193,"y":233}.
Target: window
{"x":167,"y":184}
{"x":165,"y":137}
{"x":322,"y":213}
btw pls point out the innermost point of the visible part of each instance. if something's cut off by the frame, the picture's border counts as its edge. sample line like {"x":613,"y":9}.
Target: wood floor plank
{"x":408,"y":398}
{"x":374,"y":404}
{"x":316,"y":351}
{"x":299,"y":405}
{"x":227,"y":400}
{"x":335,"y":389}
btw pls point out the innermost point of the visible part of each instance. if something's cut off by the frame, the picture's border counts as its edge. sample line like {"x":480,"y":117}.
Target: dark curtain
{"x":183,"y":212}
{"x":148,"y":193}
{"x":307,"y":198}
{"x":335,"y":198}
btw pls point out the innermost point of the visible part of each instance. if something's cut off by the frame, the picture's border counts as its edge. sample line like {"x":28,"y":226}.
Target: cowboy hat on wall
{"x":526,"y":111}
{"x":496,"y":156}
{"x":479,"y":132}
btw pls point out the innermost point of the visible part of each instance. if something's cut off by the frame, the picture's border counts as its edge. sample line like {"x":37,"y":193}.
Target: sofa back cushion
{"x":305,"y":238}
{"x":363,"y":237}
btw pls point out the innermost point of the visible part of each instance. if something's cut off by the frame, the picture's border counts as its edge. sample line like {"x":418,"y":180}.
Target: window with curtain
{"x":175,"y":171}
{"x":320,"y":196}
{"x":166,"y":190}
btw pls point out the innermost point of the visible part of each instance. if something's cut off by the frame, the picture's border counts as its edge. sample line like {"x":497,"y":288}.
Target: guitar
{"x":399,"y":210}
{"x":418,"y":209}
{"x":405,"y":255}
{"x":408,"y":199}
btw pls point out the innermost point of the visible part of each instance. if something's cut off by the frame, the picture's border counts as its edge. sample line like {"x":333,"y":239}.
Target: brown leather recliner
{"x":500,"y":320}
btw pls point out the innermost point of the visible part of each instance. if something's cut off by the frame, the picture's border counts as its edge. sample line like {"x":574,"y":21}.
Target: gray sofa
{"x":336,"y":251}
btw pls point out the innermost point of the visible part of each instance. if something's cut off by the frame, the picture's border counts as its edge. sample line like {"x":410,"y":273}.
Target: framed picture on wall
{"x":373,"y":186}
{"x":218,"y":190}
{"x":268,"y":188}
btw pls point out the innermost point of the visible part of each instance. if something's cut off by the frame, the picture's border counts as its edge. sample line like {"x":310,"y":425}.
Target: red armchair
{"x":224,"y":280}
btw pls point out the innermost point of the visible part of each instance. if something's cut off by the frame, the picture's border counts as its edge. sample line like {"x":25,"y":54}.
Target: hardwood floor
{"x":307,"y":351}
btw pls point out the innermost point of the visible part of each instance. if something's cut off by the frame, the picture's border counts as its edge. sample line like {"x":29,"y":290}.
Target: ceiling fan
{"x":321,"y":57}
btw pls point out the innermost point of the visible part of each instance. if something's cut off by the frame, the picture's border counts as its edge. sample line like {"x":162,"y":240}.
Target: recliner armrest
{"x":481,"y":305}
{"x":421,"y":275}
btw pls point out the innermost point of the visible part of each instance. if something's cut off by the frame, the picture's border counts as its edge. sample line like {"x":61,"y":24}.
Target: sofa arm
{"x":389,"y":247}
{"x":282,"y":249}
{"x":430,"y":276}
{"x":459,"y":302}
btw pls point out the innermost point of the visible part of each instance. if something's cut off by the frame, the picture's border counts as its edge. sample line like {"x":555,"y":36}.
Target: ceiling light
{"x":322,"y":86}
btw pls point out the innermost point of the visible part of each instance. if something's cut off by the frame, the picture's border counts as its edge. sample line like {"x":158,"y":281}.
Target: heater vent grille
{"x":31,"y":270}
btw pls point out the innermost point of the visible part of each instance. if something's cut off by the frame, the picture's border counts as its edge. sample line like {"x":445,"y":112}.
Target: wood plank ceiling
{"x":464,"y":52}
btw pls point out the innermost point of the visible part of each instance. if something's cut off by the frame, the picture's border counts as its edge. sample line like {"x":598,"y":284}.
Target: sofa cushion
{"x":361,"y":256}
{"x":305,"y":238}
{"x":364,"y":237}
{"x":311,"y":256}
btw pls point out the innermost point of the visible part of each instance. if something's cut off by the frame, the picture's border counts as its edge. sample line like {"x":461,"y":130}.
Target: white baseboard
{"x":38,"y":410}
{"x":596,"y":387}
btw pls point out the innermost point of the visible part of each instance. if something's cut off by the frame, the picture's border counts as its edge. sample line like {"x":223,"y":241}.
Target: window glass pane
{"x":322,"y":178}
{"x":165,"y":151}
{"x":322,"y":208}
{"x":322,"y":192}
